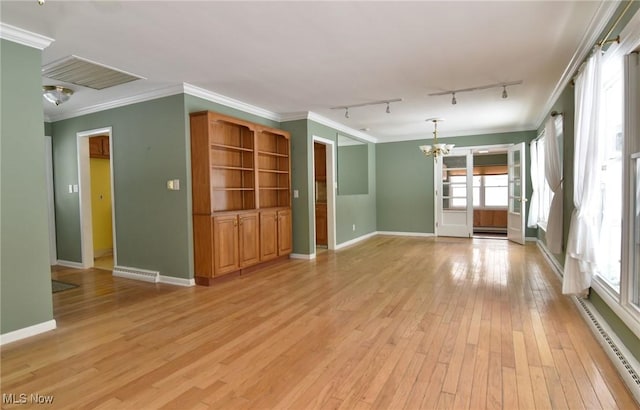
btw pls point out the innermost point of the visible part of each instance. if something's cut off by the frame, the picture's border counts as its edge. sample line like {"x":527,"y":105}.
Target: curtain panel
{"x":553,"y":175}
{"x":532,"y":221}
{"x":581,"y":256}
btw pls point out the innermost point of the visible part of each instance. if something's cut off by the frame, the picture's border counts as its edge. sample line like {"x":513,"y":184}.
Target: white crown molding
{"x":146,"y":96}
{"x":312,"y":116}
{"x":27,"y":332}
{"x":597,"y":25}
{"x":229,"y":102}
{"x":451,"y":134}
{"x":24,"y":37}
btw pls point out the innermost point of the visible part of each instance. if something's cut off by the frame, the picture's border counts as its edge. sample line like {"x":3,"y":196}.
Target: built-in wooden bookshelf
{"x":237,"y":166}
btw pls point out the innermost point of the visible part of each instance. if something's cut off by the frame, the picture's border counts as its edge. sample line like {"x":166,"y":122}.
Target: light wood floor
{"x":391,"y":323}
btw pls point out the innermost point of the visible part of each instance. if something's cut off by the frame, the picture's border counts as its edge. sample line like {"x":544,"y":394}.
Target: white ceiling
{"x":290,"y":57}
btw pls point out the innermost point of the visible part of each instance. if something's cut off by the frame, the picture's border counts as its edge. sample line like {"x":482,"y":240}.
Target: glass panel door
{"x":454,"y":193}
{"x":515,"y":217}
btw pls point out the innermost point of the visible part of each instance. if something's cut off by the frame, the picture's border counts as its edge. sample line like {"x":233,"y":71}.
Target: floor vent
{"x":80,"y":71}
{"x":619,"y":358}
{"x":137,"y":274}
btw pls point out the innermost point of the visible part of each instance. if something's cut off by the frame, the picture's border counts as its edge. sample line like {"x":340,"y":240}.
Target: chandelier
{"x":438,"y":149}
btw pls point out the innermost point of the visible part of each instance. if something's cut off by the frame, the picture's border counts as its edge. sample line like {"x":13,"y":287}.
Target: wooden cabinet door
{"x":95,"y":147}
{"x":284,"y":232}
{"x":321,"y":224}
{"x":268,"y":235}
{"x":249,"y":245}
{"x":106,"y":152}
{"x":225,"y":244}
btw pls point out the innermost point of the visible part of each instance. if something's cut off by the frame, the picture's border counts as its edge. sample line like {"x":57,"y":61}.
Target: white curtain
{"x":553,"y":175}
{"x":581,"y":257}
{"x":532,"y":221}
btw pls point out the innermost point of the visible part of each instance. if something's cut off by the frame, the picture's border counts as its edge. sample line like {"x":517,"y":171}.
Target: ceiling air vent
{"x":79,"y":71}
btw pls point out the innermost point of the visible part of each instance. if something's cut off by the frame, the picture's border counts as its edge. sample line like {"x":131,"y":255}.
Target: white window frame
{"x":482,"y":195}
{"x":621,"y":302}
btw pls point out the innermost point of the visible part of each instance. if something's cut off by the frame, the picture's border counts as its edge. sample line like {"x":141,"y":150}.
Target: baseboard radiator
{"x":620,"y":356}
{"x":136,"y":274}
{"x":622,"y":359}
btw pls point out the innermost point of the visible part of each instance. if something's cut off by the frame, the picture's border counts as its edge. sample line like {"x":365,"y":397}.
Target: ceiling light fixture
{"x":438,"y":149}
{"x":56,"y":94}
{"x":387,"y":102}
{"x":482,"y":87}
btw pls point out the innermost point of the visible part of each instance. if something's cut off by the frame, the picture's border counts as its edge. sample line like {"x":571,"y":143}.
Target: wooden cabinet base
{"x":205,"y":281}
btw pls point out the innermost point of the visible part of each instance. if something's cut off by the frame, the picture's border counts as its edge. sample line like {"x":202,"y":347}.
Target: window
{"x":545,"y":195}
{"x":490,"y":191}
{"x":611,"y":173}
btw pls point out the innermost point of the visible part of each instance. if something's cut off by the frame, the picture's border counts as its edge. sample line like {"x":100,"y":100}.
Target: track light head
{"x":453,"y":99}
{"x":504,"y":91}
{"x":388,"y":109}
{"x":346,"y":112}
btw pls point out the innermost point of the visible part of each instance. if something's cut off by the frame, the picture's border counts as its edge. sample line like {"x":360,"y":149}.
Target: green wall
{"x":25,"y":276}
{"x":353,"y":169}
{"x":301,"y":172}
{"x":350,"y":209}
{"x":358,"y":210}
{"x":148,"y":148}
{"x":405,"y":202}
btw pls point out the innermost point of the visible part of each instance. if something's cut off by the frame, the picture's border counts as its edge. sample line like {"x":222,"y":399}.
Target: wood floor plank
{"x":392,"y":322}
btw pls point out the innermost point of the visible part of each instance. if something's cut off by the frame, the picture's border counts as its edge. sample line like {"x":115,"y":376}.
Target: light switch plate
{"x":295,"y":193}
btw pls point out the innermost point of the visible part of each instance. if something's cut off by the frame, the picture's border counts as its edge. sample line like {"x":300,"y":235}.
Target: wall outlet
{"x":354,"y":227}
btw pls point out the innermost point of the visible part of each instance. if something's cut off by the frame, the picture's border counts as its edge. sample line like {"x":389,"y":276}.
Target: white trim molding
{"x":410,"y":234}
{"x":356,"y":240}
{"x":69,"y":264}
{"x":172,"y":280}
{"x":312,"y":116}
{"x":27,"y":332}
{"x":229,"y":102}
{"x":24,"y":37}
{"x":121,"y":102}
{"x":598,"y":23}
{"x":302,"y":256}
{"x":136,"y":274}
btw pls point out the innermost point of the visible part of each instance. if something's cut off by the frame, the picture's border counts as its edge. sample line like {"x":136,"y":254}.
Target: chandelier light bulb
{"x":504,"y":91}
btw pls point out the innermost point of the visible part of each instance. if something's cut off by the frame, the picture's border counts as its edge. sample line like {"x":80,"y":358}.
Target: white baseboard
{"x":559,"y":270}
{"x":69,"y":264}
{"x":27,"y":332}
{"x":170,"y":280}
{"x":419,"y":234}
{"x":302,"y":256}
{"x":355,"y":240}
{"x":136,"y":274}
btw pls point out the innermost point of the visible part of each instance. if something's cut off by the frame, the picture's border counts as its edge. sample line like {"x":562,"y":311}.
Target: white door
{"x":517,"y":198}
{"x":454,"y":194}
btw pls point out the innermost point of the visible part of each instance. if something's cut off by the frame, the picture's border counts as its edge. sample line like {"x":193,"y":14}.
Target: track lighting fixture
{"x":387,"y":102}
{"x":454,"y":101}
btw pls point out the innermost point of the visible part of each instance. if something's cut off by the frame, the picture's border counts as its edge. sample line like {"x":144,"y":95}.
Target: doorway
{"x":323,"y":194}
{"x":464,"y":210}
{"x":97,"y":213}
{"x":490,"y":193}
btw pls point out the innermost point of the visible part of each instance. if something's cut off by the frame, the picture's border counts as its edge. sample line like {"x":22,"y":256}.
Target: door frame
{"x":331,"y":192}
{"x":474,"y":149}
{"x":84,"y":195}
{"x":437,"y":175}
{"x":51,"y":210}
